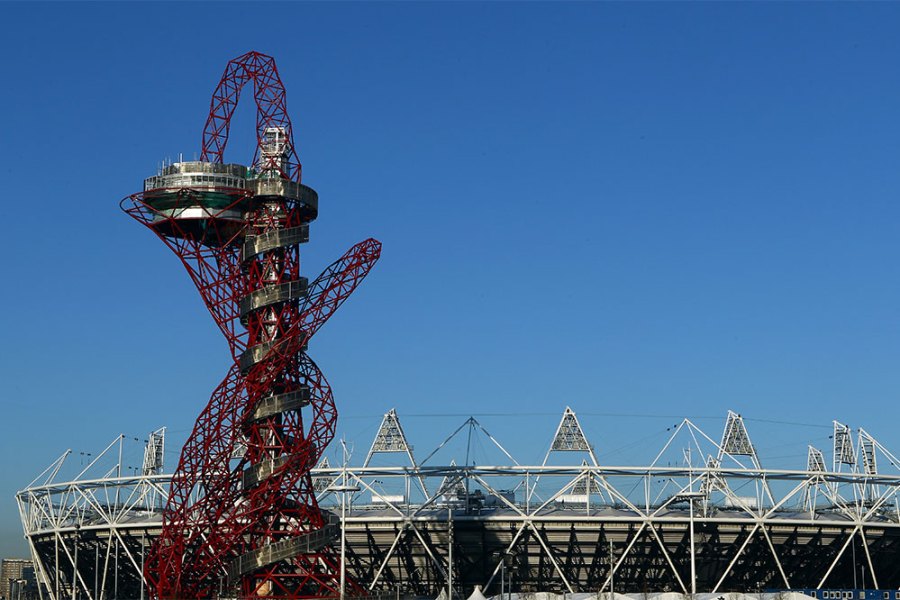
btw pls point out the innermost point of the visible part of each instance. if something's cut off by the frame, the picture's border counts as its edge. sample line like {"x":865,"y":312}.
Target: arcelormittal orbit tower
{"x":241,"y":518}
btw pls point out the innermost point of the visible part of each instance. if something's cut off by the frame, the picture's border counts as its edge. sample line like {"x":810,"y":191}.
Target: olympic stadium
{"x":716,"y":522}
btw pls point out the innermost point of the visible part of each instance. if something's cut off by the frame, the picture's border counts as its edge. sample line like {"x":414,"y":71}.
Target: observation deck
{"x":211,"y":201}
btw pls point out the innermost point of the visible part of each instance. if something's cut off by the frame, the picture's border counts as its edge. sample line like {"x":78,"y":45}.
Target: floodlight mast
{"x":247,"y":524}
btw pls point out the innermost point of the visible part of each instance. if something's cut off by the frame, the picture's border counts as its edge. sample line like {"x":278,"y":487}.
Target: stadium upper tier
{"x":722,"y":524}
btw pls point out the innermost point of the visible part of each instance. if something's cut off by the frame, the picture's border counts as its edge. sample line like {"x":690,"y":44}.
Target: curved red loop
{"x":271,"y":109}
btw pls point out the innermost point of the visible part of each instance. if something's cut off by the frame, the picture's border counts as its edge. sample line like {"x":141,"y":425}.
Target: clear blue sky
{"x":655,"y":210}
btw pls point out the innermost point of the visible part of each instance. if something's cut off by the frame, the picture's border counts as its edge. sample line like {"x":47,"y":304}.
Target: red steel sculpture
{"x":242,"y":518}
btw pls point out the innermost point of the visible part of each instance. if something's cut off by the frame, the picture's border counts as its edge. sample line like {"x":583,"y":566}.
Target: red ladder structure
{"x":242,"y":518}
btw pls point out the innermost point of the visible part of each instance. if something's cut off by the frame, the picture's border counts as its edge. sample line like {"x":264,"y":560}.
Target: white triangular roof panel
{"x":569,"y":436}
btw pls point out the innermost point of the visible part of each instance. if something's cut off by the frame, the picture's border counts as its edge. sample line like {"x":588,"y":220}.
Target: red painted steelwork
{"x":222,"y":504}
{"x":271,"y":107}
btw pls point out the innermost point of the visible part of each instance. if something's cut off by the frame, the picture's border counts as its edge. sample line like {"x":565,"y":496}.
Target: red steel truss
{"x":242,"y":517}
{"x":271,"y":108}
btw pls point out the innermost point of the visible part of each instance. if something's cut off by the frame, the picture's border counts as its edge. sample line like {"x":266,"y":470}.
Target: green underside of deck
{"x":213,"y":201}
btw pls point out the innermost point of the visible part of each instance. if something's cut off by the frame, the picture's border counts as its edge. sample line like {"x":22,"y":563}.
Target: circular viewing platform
{"x":198,"y":174}
{"x":210,"y":201}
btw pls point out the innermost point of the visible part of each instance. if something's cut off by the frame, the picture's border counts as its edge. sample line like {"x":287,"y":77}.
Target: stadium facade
{"x":717,"y":521}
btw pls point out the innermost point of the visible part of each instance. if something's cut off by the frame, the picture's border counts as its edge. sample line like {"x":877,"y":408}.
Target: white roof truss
{"x":815,"y":460}
{"x":390,"y":438}
{"x":843,"y":446}
{"x":569,"y":437}
{"x":735,"y":439}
